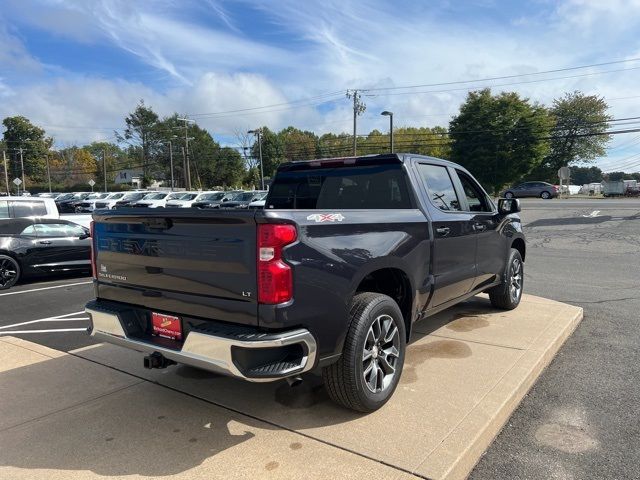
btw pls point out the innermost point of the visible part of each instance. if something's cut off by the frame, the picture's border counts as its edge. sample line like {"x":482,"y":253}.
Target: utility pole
{"x":48,"y":172}
{"x":258,"y":133}
{"x":186,"y":153}
{"x":6,"y":172}
{"x":184,"y":168}
{"x":24,"y":185}
{"x":358,"y":109}
{"x":104,"y":169}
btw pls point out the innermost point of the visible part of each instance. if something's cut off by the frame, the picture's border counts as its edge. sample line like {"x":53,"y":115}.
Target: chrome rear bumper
{"x":213,"y":352}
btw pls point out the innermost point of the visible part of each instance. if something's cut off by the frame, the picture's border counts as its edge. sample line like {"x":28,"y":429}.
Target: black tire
{"x":507,"y":296}
{"x":345,"y":380}
{"x":508,"y":195}
{"x":9,"y":272}
{"x":545,"y":195}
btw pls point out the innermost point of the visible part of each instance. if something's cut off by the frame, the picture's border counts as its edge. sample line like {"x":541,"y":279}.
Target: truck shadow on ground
{"x":184,"y":417}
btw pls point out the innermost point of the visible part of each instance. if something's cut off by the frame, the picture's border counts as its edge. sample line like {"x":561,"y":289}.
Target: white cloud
{"x":334,"y":45}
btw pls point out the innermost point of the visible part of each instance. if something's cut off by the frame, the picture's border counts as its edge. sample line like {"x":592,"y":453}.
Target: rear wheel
{"x":9,"y":272}
{"x":545,"y":195}
{"x":507,"y":296}
{"x":369,"y":369}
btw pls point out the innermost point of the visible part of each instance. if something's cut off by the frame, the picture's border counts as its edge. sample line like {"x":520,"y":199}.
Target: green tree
{"x":227,"y":168}
{"x":20,"y":133}
{"x":579,"y":133}
{"x":582,"y":175}
{"x":332,"y":145}
{"x":142,"y":129}
{"x":272,"y":151}
{"x":115,"y":157}
{"x":298,"y":144}
{"x":499,"y":138}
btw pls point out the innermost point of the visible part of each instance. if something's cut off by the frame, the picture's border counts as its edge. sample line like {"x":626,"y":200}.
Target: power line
{"x":503,"y":77}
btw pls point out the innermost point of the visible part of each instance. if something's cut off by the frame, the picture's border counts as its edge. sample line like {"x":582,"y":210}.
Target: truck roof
{"x":382,"y":158}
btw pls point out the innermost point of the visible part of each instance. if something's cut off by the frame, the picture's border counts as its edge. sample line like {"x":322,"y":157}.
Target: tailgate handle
{"x":157,"y":223}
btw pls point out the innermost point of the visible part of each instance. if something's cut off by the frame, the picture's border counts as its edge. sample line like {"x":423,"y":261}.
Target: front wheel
{"x":507,"y":296}
{"x":545,"y":195}
{"x":9,"y":272}
{"x":369,"y":369}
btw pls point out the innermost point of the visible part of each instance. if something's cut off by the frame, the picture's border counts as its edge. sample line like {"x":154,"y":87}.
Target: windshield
{"x":212,"y":197}
{"x":134,"y":196}
{"x":176,"y":196}
{"x":65,"y":196}
{"x":232,"y":196}
{"x":188,"y":196}
{"x":244,"y":197}
{"x":114,"y":196}
{"x":155,"y":196}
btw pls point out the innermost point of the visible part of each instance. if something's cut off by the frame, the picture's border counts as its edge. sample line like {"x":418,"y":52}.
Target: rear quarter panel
{"x":330,"y":259}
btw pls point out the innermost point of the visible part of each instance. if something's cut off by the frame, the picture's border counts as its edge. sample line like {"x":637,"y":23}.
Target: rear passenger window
{"x":343,"y":187}
{"x":4,"y":209}
{"x":23,"y":209}
{"x":476,"y":199}
{"x":439,"y":187}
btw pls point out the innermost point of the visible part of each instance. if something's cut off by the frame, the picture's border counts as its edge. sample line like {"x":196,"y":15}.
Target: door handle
{"x":45,"y":242}
{"x":444,"y":231}
{"x":479,"y":227}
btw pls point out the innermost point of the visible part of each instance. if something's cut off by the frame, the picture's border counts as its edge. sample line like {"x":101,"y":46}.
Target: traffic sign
{"x":564,"y":173}
{"x":92,"y":182}
{"x":17,"y":181}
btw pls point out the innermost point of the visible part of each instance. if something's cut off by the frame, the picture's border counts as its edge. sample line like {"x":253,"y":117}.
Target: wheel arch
{"x":391,"y":279}
{"x":520,"y":245}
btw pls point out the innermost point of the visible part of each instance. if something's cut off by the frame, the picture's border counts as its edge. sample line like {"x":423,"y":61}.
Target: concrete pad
{"x":27,"y":390}
{"x":466,"y":371}
{"x":148,"y":431}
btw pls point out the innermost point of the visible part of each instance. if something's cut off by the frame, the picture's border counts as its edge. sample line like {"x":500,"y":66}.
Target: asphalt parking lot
{"x":579,"y":420}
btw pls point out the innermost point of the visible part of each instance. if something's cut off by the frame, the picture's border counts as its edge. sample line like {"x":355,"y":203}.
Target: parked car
{"x":330,"y":276}
{"x":89,"y":203}
{"x":531,"y":189}
{"x":110,"y":201}
{"x":257,"y":204}
{"x":28,"y":207}
{"x":243,"y":200}
{"x":68,"y":204}
{"x":214,"y":200}
{"x":129,"y":199}
{"x":184,"y":200}
{"x":30,"y":246}
{"x":152,"y":200}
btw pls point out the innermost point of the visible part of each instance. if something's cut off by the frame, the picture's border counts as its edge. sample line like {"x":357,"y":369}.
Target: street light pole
{"x":390,"y":115}
{"x":24,"y":185}
{"x":104,"y":169}
{"x":258,"y":133}
{"x":48,"y":172}
{"x":6,"y":172}
{"x":186,"y":152}
{"x":171,"y":162}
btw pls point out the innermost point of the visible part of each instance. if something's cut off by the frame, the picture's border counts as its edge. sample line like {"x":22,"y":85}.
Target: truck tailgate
{"x":182,"y":261}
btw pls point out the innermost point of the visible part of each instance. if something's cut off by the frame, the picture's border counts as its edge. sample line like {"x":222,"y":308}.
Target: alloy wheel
{"x":8,"y":272}
{"x":380,"y":354}
{"x":515,"y":284}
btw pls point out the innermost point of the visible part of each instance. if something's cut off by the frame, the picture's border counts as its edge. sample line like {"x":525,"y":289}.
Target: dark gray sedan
{"x":531,"y":189}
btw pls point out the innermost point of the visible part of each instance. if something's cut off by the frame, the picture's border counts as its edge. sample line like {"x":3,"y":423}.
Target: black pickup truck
{"x":346,"y":255}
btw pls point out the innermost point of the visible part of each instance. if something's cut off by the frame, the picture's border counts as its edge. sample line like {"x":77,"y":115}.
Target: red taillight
{"x":93,"y":253}
{"x":275,"y":279}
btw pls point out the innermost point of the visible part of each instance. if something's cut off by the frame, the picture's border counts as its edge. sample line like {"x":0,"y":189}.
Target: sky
{"x":78,"y":67}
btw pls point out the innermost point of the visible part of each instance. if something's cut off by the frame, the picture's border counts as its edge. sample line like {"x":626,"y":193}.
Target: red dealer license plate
{"x":166,"y":326}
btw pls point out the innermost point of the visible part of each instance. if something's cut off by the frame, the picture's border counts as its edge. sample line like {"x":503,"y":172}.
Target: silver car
{"x":531,"y":189}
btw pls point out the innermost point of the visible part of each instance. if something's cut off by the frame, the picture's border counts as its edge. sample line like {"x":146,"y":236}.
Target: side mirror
{"x":508,"y":205}
{"x":86,"y":234}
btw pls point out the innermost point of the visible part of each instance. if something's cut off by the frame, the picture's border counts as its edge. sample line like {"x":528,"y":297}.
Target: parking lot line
{"x":45,"y":288}
{"x":43,"y":320}
{"x":12,"y":332}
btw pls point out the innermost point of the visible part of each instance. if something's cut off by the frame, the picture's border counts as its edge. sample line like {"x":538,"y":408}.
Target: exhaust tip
{"x":294,"y":381}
